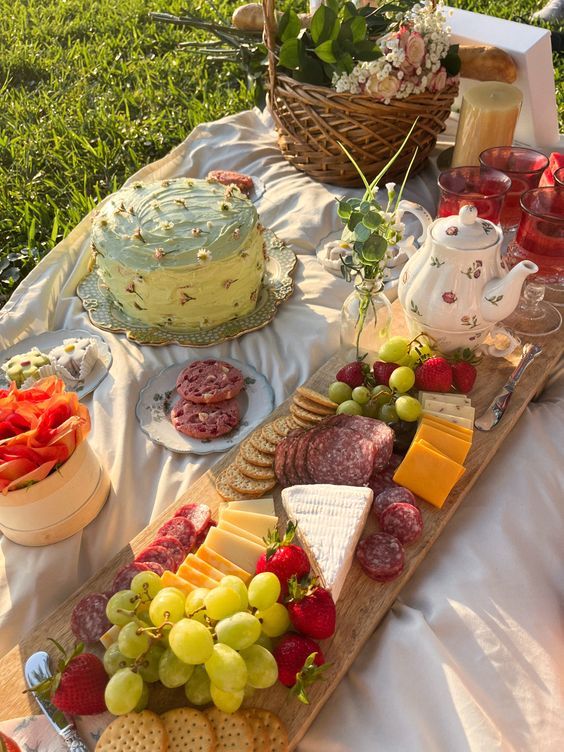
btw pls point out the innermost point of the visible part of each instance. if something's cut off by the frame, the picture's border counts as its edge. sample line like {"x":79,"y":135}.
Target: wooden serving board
{"x":363,"y":602}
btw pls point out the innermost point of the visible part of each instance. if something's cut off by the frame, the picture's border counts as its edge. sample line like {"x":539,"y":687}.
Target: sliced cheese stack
{"x":435,"y":460}
{"x":330,"y":520}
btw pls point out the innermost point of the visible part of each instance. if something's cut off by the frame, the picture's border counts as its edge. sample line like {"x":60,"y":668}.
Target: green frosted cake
{"x":180,"y":254}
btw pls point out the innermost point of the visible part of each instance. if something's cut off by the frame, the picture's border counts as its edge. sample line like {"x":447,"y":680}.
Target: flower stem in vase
{"x":365,"y":319}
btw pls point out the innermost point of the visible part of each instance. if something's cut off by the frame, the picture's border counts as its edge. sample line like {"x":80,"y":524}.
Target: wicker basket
{"x":311,"y":119}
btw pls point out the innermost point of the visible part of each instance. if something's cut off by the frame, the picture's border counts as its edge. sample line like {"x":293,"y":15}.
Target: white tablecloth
{"x":471,"y":657}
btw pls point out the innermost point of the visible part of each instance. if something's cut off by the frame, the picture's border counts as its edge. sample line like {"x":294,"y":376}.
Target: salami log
{"x":182,"y":529}
{"x":123,"y":578}
{"x":389,"y":496}
{"x":88,"y":618}
{"x":402,"y":520}
{"x":381,"y":556}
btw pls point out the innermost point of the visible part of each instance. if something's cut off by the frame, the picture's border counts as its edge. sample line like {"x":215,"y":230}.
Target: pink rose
{"x":438,"y":80}
{"x":408,"y":69}
{"x":387,"y":88}
{"x":415,"y":49}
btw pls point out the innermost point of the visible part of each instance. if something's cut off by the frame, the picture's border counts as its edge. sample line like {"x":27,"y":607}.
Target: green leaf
{"x":368,"y":193}
{"x":324,"y":25}
{"x":312,"y":72}
{"x":354,"y":220}
{"x":366,"y":50}
{"x":334,"y":5}
{"x":289,"y":26}
{"x":349,"y":11}
{"x":358,"y":28}
{"x":344,"y":209}
{"x":325,"y":52}
{"x":372,"y":219}
{"x":290,"y":54}
{"x":374,"y":248}
{"x":361,"y":232}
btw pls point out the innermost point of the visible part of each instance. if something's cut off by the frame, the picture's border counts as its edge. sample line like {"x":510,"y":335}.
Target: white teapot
{"x":456,"y":286}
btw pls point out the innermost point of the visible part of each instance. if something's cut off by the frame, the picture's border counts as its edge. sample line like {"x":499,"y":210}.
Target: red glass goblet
{"x":524,"y":167}
{"x":481,"y":186}
{"x":559,"y":177}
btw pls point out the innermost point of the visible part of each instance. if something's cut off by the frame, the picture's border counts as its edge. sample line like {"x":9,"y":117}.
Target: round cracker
{"x":252,"y":471}
{"x":260,"y":734}
{"x":312,"y":407}
{"x":248,"y":486}
{"x":224,"y":489}
{"x":270,"y":434}
{"x":134,"y":732}
{"x":302,"y":423}
{"x":189,"y":729}
{"x":304,"y":415}
{"x":283,"y":426}
{"x":254,"y":456}
{"x":263,"y":445}
{"x":275,"y":729}
{"x":313,"y":396}
{"x":232,"y":731}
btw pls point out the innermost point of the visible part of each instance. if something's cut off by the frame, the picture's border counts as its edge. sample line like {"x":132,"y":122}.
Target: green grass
{"x":91,"y":90}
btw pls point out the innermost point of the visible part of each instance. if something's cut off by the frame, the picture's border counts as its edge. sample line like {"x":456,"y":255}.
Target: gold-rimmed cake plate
{"x":105,"y":312}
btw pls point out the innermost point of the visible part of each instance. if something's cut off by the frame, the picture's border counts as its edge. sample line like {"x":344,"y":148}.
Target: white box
{"x":530,"y":48}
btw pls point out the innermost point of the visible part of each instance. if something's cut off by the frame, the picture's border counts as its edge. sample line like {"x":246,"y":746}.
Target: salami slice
{"x":292,"y":477}
{"x":228,"y":177}
{"x":123,"y":578}
{"x":155,"y":567}
{"x":379,"y":433}
{"x":402,"y":520}
{"x":300,"y":457}
{"x":182,"y":529}
{"x":279,"y":460}
{"x":88,"y":618}
{"x":383,"y":479}
{"x":381,"y":556}
{"x":205,"y":421}
{"x":389,"y":496}
{"x":209,"y":381}
{"x":198,"y":514}
{"x":173,"y":546}
{"x":203,"y":533}
{"x":159,"y":554}
{"x":340,"y":456}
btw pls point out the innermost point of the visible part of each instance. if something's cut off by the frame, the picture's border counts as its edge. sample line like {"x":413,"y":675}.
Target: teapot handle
{"x":418,"y":211}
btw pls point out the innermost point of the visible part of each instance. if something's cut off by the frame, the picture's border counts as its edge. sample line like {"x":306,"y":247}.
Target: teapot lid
{"x":465,"y":230}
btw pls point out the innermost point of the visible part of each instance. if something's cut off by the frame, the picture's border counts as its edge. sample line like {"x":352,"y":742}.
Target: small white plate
{"x":159,"y":396}
{"x":49,"y":340}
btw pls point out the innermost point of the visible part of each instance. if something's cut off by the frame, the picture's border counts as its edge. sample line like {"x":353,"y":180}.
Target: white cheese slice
{"x":109,"y":637}
{"x":330,"y":521}
{"x":257,"y":524}
{"x":235,"y":549}
{"x":459,"y":411}
{"x":465,"y":422}
{"x":236,"y":530}
{"x":257,"y":506}
{"x":455,"y":399}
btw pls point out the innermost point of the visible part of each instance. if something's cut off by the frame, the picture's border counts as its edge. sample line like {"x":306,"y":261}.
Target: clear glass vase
{"x":366,"y":318}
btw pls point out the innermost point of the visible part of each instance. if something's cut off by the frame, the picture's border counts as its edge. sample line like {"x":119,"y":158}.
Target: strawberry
{"x":383,"y":371}
{"x":352,"y":374}
{"x":434,"y":375}
{"x":78,"y":685}
{"x":284,"y":558}
{"x":463,"y":376}
{"x":7,"y":744}
{"x":300,"y":663}
{"x":311,"y":609}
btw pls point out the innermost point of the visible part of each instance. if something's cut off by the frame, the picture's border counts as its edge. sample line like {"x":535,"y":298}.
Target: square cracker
{"x":189,"y":729}
{"x":232,"y":730}
{"x":134,"y":732}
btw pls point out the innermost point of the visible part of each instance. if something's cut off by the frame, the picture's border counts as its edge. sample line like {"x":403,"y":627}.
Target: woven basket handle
{"x":270,"y":41}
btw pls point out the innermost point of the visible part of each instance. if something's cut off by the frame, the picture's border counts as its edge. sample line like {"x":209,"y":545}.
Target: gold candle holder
{"x":488,"y":117}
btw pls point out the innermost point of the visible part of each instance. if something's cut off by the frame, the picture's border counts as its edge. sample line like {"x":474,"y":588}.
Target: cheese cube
{"x":195,"y":577}
{"x":257,"y":524}
{"x":453,"y":446}
{"x":109,"y":637}
{"x":203,"y":567}
{"x":455,"y":399}
{"x":236,"y":530}
{"x":169,"y":579}
{"x":450,"y":410}
{"x":428,"y":473}
{"x":258,"y":506}
{"x":241,"y":552}
{"x":222,"y":564}
{"x":445,"y":425}
{"x":464,"y":422}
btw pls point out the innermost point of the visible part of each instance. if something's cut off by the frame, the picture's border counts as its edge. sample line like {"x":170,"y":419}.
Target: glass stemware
{"x":481,"y":186}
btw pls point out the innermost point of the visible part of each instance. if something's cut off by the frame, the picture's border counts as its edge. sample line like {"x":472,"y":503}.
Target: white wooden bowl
{"x":58,"y":506}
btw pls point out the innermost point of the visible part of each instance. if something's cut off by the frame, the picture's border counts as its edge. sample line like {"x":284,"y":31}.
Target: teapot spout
{"x":501,"y":295}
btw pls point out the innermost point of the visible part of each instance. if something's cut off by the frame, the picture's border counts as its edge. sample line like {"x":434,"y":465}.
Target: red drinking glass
{"x":524,"y":168}
{"x":559,"y":177}
{"x":479,"y":186}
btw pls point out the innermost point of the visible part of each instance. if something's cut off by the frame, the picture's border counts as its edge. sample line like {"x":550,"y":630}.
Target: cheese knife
{"x":36,"y":670}
{"x":495,"y":411}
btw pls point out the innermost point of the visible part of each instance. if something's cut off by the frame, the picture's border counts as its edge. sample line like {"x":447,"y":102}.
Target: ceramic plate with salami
{"x":159,"y":399}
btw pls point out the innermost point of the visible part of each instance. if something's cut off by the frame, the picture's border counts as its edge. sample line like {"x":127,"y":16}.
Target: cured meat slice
{"x":182,"y":529}
{"x":300,"y":457}
{"x":198,"y":514}
{"x":155,"y":567}
{"x":292,"y":477}
{"x":88,"y":618}
{"x":228,"y":177}
{"x":279,"y":460}
{"x":158,"y":554}
{"x":389,"y":496}
{"x":174,"y":548}
{"x":123,"y":578}
{"x":383,"y":479}
{"x":379,"y":433}
{"x":402,"y":520}
{"x":381,"y":556}
{"x":203,"y":533}
{"x":205,"y":421}
{"x":340,"y":456}
{"x":209,"y":381}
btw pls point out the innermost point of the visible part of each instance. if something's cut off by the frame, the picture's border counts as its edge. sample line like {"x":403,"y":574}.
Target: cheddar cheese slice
{"x":446,"y":424}
{"x":203,"y":567}
{"x":222,"y":564}
{"x":236,"y":530}
{"x":195,"y":577}
{"x":109,"y":637}
{"x":243,"y":553}
{"x":257,"y":524}
{"x":428,"y":473}
{"x":258,"y":506}
{"x":169,"y":579}
{"x":453,"y":446}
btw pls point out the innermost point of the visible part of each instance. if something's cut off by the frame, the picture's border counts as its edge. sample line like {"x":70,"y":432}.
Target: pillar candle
{"x":488,"y":117}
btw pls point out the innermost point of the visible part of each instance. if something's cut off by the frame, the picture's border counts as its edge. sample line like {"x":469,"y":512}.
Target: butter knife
{"x":495,"y":411}
{"x":36,"y":670}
